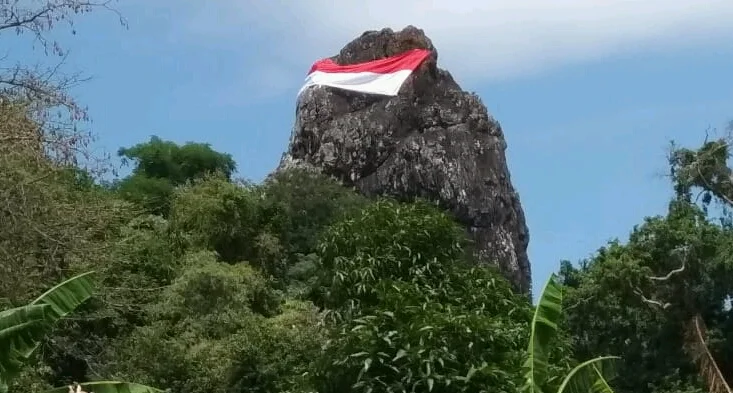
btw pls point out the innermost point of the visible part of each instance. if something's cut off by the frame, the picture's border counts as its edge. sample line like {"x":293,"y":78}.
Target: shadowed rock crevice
{"x":432,"y":141}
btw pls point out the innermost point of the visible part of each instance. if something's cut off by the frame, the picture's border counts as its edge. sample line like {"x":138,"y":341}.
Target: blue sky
{"x":588,"y":92}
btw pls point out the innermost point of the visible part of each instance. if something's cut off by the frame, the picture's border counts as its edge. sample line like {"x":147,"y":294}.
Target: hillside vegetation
{"x":204,"y":283}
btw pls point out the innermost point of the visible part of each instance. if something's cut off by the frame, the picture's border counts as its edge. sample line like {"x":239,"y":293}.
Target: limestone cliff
{"x":433,"y":141}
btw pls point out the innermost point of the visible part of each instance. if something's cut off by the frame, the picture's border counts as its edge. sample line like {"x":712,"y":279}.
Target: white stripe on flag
{"x":365,"y":82}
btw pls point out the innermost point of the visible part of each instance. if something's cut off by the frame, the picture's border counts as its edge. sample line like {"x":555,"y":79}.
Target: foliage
{"x":297,"y":205}
{"x":279,"y":358}
{"x":299,"y":284}
{"x":219,"y":328}
{"x":592,"y":375}
{"x":409,"y":314}
{"x":704,"y":169}
{"x":386,"y":240}
{"x":207,"y":288}
{"x":22,"y":328}
{"x":640,"y":308}
{"x":142,"y":258}
{"x":49,"y":219}
{"x":217,"y":215}
{"x":161,"y":165}
{"x":151,"y":194}
{"x":161,"y":159}
{"x":463,"y":337}
{"x":544,"y":326}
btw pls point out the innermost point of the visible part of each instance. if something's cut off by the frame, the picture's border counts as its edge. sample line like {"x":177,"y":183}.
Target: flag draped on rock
{"x":383,"y":76}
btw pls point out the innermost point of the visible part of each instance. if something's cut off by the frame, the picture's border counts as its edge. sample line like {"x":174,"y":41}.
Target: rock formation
{"x":433,"y":141}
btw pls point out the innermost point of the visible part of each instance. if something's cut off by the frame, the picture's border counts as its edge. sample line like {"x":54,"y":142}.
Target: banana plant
{"x":23,"y":328}
{"x":591,"y":376}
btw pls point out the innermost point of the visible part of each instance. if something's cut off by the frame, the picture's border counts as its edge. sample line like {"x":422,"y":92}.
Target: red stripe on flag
{"x":408,"y":60}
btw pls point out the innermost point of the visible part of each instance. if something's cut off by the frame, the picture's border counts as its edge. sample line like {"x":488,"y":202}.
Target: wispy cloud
{"x":476,"y":39}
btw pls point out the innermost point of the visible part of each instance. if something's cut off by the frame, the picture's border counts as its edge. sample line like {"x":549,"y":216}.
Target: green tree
{"x":22,"y":329}
{"x":703,"y":171}
{"x":214,"y":214}
{"x":297,"y":205}
{"x":53,"y":220}
{"x":386,"y":240}
{"x":220,"y":328}
{"x":142,"y":262}
{"x":639,"y":300}
{"x":408,"y":314}
{"x":660,"y":299}
{"x":160,"y":166}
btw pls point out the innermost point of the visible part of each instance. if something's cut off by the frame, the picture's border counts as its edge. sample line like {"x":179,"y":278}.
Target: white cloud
{"x":476,"y":39}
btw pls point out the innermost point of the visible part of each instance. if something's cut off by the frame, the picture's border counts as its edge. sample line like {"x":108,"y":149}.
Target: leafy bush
{"x":386,"y":241}
{"x":221,"y":328}
{"x":409,"y":314}
{"x":214,"y":214}
{"x":297,"y":205}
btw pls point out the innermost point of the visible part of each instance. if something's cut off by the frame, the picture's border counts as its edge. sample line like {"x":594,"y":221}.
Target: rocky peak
{"x":433,"y":141}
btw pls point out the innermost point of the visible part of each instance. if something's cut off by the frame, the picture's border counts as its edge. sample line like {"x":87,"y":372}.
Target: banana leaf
{"x":543,"y":330}
{"x":591,"y":376}
{"x":23,"y":328}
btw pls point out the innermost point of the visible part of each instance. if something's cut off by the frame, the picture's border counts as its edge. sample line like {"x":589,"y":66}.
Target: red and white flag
{"x":383,"y":76}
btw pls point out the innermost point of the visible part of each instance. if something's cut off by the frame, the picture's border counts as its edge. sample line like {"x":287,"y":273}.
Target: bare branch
{"x":581,"y":301}
{"x":39,"y":19}
{"x":45,"y":91}
{"x":683,"y":252}
{"x":15,"y":21}
{"x":670,"y":274}
{"x":656,"y":303}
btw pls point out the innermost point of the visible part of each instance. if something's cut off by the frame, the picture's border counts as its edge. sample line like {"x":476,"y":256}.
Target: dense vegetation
{"x":208,"y":284}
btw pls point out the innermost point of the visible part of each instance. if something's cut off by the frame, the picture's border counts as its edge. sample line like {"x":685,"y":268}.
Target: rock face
{"x":433,"y":141}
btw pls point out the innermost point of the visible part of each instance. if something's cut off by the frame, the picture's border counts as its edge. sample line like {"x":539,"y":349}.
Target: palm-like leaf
{"x":591,"y":376}
{"x":544,"y":326}
{"x":23,"y":328}
{"x":19,"y":328}
{"x":108,"y":387}
{"x":17,"y":325}
{"x":67,"y":296}
{"x":59,"y":301}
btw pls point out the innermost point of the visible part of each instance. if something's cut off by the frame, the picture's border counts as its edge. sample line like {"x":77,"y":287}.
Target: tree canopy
{"x":207,"y":284}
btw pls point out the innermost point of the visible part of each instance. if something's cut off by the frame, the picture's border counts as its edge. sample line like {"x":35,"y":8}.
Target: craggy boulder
{"x":433,"y":141}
